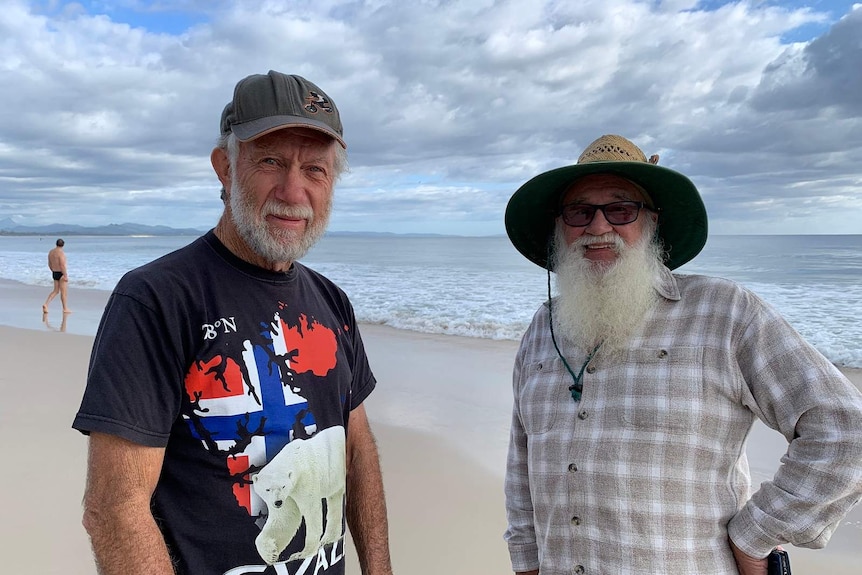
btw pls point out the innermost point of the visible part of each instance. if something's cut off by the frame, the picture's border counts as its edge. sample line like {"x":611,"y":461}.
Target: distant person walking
{"x":57,"y":265}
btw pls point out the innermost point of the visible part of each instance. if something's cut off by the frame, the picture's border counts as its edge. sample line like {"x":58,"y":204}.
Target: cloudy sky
{"x":109,"y":109}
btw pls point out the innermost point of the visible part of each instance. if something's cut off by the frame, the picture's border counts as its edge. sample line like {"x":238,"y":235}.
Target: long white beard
{"x":600,"y":302}
{"x":273,"y":245}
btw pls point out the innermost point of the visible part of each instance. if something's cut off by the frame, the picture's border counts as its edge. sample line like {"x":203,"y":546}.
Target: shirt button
{"x":582,"y":414}
{"x":576,"y":520}
{"x":591,"y":369}
{"x":662,"y":354}
{"x":573,"y":467}
{"x":579,"y":569}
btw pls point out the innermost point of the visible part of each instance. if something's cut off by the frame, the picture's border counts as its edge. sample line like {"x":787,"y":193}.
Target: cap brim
{"x":246,"y":131}
{"x":682,"y":226}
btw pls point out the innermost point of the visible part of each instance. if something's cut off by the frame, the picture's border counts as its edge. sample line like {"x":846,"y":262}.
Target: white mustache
{"x":608,"y":238}
{"x":276,"y":208}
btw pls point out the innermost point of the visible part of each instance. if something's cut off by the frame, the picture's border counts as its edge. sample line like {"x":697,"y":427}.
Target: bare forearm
{"x":366,"y":506}
{"x":126,"y":542}
{"x":121,"y":478}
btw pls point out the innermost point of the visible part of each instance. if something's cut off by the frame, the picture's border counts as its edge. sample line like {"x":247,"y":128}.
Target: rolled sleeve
{"x":803,"y":396}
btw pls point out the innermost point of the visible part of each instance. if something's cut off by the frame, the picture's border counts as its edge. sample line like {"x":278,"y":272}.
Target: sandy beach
{"x":440,"y":414}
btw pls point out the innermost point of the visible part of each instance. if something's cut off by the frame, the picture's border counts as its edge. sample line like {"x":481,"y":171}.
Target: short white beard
{"x":275,"y":246}
{"x":600,"y":302}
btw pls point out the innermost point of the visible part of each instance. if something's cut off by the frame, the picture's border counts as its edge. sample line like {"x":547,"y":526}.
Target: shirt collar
{"x":666,"y":285}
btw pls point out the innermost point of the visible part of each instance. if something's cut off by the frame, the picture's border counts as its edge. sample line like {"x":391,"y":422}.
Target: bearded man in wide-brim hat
{"x":635,"y":389}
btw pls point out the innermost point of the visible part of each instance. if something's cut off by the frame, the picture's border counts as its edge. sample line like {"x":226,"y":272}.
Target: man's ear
{"x":655,"y":218}
{"x":221,"y":165}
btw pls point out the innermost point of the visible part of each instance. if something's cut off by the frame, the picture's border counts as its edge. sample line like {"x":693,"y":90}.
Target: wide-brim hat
{"x":682,"y":224}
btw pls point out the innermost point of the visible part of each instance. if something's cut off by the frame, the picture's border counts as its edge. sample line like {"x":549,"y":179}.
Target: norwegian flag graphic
{"x":246,"y":409}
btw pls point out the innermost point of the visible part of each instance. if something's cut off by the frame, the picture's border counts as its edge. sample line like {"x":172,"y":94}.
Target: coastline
{"x":23,"y":308}
{"x":440,"y":413}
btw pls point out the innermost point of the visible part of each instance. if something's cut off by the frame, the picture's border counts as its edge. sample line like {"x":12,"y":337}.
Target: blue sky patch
{"x":158,"y":17}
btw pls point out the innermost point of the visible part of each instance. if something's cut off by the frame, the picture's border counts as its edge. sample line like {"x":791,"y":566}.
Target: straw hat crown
{"x":610,"y":148}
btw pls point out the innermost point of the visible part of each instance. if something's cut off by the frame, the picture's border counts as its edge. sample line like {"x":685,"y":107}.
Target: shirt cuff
{"x":748,"y":536}
{"x":524,"y":557}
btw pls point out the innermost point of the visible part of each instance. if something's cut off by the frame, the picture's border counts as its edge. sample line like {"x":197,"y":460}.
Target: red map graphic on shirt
{"x":213,"y":379}
{"x":238,"y":466}
{"x":238,"y":397}
{"x":314,"y":346}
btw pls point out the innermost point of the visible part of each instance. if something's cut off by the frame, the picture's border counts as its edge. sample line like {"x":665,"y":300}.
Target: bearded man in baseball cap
{"x":224,"y":375}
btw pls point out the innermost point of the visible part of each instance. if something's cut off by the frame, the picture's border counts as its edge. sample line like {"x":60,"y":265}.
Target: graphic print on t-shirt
{"x":249,"y":408}
{"x":293,"y":485}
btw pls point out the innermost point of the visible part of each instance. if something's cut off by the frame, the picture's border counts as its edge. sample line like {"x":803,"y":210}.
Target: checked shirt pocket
{"x":542,"y":390}
{"x":666,"y":392}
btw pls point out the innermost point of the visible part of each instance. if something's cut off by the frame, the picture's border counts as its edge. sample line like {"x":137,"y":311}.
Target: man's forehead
{"x":301,"y":137}
{"x":604,"y":184}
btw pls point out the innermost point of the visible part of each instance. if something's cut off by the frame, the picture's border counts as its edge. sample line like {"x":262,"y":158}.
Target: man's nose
{"x":291,"y":185}
{"x":599,"y":225}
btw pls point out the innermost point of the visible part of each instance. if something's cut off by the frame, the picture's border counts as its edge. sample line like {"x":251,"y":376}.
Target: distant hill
{"x":10,"y":228}
{"x":383,"y":235}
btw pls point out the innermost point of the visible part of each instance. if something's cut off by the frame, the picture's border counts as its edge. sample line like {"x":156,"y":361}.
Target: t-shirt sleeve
{"x":134,"y":383}
{"x":363,"y":379}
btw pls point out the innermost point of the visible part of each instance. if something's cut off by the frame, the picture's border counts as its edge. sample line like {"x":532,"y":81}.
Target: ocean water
{"x":481,"y":287}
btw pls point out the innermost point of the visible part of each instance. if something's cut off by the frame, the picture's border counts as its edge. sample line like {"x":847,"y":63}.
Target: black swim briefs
{"x":57,"y":276}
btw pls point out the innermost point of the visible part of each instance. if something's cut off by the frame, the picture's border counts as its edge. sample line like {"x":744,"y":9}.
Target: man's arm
{"x":520,"y":533}
{"x":62,"y":261}
{"x":366,"y":504}
{"x":121,"y":478}
{"x":792,"y":388}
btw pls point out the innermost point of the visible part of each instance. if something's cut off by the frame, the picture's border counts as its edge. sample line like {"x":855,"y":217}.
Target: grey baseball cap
{"x":263,"y":103}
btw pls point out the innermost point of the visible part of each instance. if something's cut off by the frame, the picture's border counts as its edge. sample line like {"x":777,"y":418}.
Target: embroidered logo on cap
{"x":315,"y":101}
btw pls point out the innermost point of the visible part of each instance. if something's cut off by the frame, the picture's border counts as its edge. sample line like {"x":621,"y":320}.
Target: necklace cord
{"x":577,"y":387}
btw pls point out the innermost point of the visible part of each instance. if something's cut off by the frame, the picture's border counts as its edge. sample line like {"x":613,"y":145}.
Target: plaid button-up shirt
{"x":647,"y":473}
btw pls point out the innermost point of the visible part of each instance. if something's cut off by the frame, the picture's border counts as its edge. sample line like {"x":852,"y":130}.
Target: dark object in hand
{"x":778,"y":562}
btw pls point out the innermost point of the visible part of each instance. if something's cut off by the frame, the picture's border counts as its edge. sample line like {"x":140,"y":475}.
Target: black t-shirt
{"x":234,"y":369}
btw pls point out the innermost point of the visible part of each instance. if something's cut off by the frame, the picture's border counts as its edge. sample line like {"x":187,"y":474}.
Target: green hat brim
{"x":682,"y":224}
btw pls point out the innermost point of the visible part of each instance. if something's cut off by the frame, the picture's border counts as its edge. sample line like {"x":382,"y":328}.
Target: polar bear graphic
{"x":293,"y":485}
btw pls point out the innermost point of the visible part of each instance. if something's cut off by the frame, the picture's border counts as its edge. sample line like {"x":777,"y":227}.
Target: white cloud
{"x":448,"y":107}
